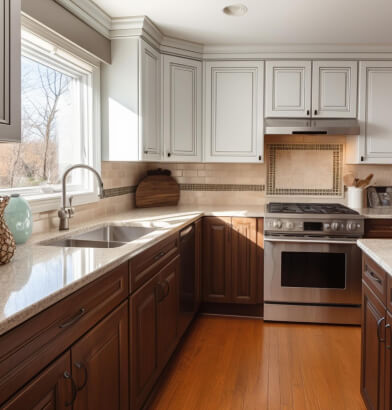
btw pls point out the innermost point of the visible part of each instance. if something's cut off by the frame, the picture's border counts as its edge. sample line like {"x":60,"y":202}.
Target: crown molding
{"x":143,"y":27}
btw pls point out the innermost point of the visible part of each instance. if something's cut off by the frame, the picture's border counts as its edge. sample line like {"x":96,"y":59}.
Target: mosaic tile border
{"x":337,"y":189}
{"x":222,"y":187}
{"x":111,"y":192}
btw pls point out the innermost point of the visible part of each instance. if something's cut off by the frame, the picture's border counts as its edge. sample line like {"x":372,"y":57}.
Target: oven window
{"x":314,"y":270}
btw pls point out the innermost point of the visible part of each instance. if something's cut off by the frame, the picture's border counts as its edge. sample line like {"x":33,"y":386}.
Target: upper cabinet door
{"x":234,"y":130}
{"x":149,"y":103}
{"x":288,"y":89}
{"x":182,"y":109}
{"x":375,"y":102}
{"x":334,"y":89}
{"x":10,"y":78}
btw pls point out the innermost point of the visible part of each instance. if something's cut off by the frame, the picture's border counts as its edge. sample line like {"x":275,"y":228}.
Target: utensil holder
{"x":354,"y":197}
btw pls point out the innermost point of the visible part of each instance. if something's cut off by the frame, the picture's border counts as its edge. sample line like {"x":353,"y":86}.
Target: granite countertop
{"x":376,"y":213}
{"x":39,"y":276}
{"x":380,"y":250}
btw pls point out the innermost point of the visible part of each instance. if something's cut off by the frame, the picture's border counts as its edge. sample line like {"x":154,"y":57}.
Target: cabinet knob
{"x":307,"y":112}
{"x":260,"y":157}
{"x":315,"y":112}
{"x":169,"y":154}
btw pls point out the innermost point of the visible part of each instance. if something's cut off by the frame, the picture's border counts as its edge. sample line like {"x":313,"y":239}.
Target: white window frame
{"x":62,"y":55}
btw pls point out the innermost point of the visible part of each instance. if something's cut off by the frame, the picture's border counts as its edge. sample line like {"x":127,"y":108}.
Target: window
{"x":60,"y":93}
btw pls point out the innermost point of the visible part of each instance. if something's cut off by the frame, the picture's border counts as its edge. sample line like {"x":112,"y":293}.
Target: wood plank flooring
{"x":230,"y":363}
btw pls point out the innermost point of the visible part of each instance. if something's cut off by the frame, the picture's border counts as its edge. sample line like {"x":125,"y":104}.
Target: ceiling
{"x":267,"y":22}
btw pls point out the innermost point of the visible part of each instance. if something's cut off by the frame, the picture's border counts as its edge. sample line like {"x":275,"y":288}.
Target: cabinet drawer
{"x":27,"y":349}
{"x":378,"y":228}
{"x":145,"y":265}
{"x":376,"y":278}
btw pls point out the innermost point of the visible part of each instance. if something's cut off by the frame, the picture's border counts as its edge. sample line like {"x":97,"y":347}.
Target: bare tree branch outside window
{"x":45,"y":92}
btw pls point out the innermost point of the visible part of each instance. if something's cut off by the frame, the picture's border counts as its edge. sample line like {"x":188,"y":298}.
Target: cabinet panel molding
{"x":182,"y":109}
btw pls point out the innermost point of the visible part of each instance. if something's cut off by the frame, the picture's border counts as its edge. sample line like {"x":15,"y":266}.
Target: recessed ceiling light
{"x":236,"y":10}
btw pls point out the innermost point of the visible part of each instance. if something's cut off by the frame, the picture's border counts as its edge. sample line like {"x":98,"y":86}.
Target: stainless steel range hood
{"x":286,"y":126}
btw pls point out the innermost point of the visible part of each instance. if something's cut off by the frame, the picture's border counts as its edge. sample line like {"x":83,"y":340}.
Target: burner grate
{"x":308,"y":208}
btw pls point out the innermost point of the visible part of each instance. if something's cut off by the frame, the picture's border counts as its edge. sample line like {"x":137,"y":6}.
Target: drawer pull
{"x":82,"y":366}
{"x":159,"y":255}
{"x":373,"y":276}
{"x":68,"y":376}
{"x":72,"y":321}
{"x":379,"y":321}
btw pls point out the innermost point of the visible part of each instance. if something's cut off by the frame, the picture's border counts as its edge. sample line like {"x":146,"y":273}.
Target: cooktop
{"x":309,"y":208}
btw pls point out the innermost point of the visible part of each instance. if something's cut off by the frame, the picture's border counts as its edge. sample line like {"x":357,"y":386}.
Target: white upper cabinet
{"x":288,"y":88}
{"x":234,"y":111}
{"x":182,"y":109}
{"x":374,"y":145}
{"x":334,"y":89}
{"x":10,"y":78}
{"x":149,"y":102}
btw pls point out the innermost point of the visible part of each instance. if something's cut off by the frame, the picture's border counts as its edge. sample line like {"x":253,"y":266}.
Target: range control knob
{"x":289,"y":226}
{"x":352,"y":227}
{"x":327,"y":227}
{"x":277,"y":224}
{"x":335,"y":226}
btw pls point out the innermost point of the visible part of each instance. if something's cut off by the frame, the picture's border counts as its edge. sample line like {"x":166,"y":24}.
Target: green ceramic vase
{"x":19,"y":218}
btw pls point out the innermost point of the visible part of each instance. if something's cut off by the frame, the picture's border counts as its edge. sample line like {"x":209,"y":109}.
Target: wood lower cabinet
{"x":388,"y":361}
{"x":153,"y":337}
{"x":143,"y":341}
{"x":373,"y":350}
{"x":100,"y":364}
{"x":243,"y":260}
{"x":378,"y":228}
{"x":168,"y":305}
{"x":216,"y":259}
{"x":233,"y":260}
{"x":51,"y":389}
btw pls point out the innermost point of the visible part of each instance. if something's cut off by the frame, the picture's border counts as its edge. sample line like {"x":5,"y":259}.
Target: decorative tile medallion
{"x":305,"y":169}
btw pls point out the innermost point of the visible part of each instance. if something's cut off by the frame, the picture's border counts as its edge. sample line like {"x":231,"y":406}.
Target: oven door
{"x":312,"y":272}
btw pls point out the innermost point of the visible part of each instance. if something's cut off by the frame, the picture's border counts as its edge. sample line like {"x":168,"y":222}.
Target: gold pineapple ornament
{"x":7,"y":243}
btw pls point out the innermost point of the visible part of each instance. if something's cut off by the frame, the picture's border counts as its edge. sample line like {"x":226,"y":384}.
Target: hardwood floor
{"x":230,"y":363}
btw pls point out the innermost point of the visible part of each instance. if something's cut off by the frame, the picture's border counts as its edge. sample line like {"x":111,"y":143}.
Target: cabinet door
{"x":182,"y":109}
{"x":234,"y":98}
{"x":168,"y":304}
{"x":51,"y":389}
{"x":143,"y":341}
{"x":244,"y":260}
{"x":10,"y":78}
{"x":373,"y":350}
{"x":198,"y":262}
{"x":288,"y":88}
{"x":217,"y":259}
{"x":334,"y":89}
{"x":388,"y":362}
{"x":150,"y":102}
{"x":100,"y":364}
{"x":375,"y":101}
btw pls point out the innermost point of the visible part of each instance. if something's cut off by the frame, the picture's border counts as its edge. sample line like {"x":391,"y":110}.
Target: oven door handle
{"x":313,"y":240}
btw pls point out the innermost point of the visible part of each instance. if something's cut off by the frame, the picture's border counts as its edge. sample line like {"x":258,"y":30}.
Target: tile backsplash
{"x":234,"y":184}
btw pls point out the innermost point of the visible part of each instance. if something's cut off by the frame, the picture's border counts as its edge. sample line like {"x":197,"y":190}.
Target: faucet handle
{"x":71,"y":210}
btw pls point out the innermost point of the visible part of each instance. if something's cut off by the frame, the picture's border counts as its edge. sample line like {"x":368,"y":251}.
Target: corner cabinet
{"x":182,"y":88}
{"x":374,"y":145}
{"x":234,"y":120}
{"x":10,"y":77}
{"x":149,"y":102}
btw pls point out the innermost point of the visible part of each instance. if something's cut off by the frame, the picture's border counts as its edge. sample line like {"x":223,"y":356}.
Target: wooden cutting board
{"x":157,"y":190}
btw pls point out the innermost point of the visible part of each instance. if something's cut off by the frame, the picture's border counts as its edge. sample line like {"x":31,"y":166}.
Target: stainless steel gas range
{"x":312,"y":266}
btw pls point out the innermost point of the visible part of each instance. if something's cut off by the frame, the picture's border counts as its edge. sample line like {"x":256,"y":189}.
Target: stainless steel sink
{"x":110,"y":236}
